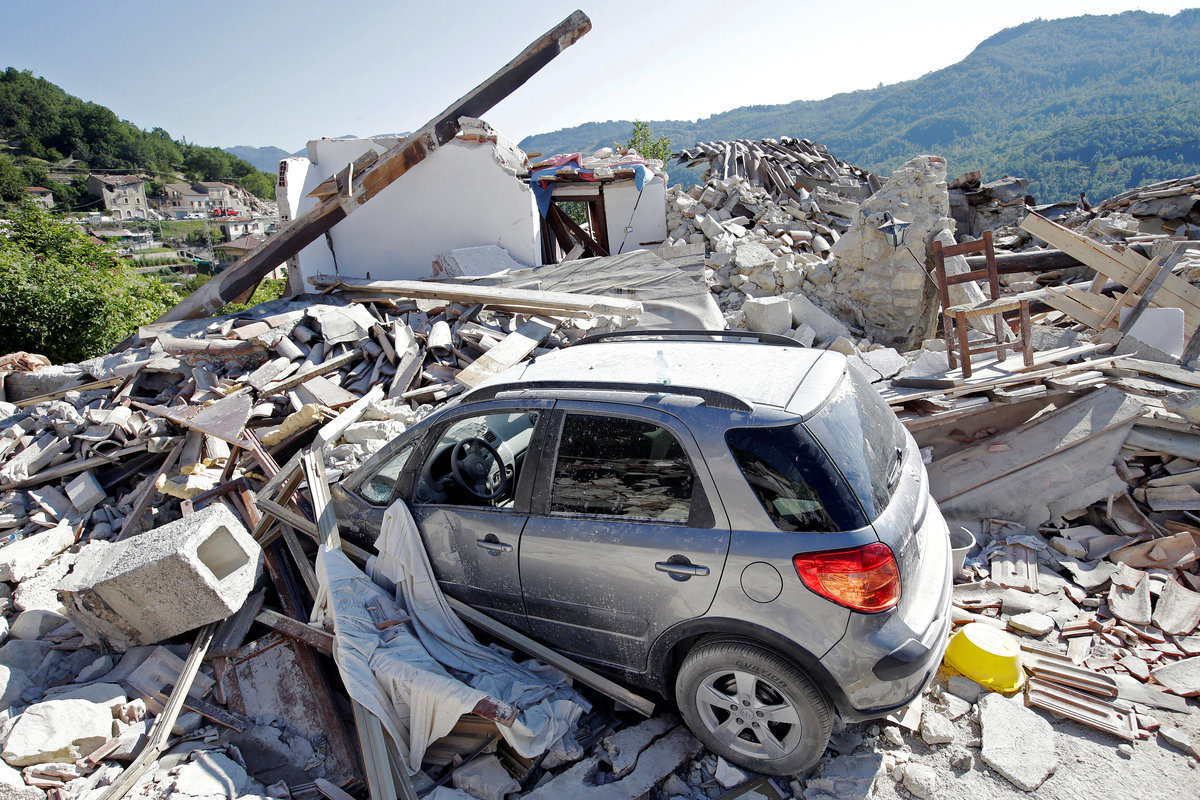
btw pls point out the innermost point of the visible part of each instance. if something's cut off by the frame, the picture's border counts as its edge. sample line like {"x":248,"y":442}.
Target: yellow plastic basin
{"x":988,"y":656}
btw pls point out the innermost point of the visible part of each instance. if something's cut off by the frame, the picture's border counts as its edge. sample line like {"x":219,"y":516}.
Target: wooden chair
{"x":954,"y":317}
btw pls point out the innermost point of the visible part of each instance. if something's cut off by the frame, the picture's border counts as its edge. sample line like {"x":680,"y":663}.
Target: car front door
{"x":471,"y":538}
{"x":622,"y":541}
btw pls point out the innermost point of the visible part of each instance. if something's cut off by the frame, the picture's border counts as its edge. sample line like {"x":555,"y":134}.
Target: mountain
{"x":265,"y":159}
{"x":48,"y":129}
{"x":1095,"y":103}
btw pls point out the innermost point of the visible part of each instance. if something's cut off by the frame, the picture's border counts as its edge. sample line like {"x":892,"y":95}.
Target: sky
{"x":282,"y":72}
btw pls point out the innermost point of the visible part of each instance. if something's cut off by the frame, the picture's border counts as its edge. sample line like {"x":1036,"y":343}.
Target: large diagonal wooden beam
{"x":314,"y":222}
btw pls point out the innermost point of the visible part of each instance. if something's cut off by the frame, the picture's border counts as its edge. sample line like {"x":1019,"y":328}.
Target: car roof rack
{"x":711,"y":397}
{"x":672,"y":333}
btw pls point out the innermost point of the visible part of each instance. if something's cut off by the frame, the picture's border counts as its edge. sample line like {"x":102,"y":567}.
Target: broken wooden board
{"x":1083,"y":708}
{"x":511,"y":351}
{"x":398,"y":160}
{"x":1124,"y":266}
{"x":523,"y":300}
{"x":552,"y":657}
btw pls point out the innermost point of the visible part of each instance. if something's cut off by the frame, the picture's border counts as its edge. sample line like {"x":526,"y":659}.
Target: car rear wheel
{"x":753,"y":708}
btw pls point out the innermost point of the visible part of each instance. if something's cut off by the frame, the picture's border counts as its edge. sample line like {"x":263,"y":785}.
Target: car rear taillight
{"x":862,"y":578}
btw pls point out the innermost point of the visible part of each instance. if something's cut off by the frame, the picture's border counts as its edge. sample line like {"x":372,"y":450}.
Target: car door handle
{"x":681,"y":570}
{"x":492,"y":545}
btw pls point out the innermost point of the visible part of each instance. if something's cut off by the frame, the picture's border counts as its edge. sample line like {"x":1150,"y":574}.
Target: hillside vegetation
{"x":48,"y":129}
{"x":1095,"y":103}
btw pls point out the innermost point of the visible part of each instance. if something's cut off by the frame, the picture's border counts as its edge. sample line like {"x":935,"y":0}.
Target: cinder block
{"x":163,"y":582}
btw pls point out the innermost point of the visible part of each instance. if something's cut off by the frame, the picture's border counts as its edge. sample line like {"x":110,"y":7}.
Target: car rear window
{"x":793,"y":479}
{"x":863,"y":438}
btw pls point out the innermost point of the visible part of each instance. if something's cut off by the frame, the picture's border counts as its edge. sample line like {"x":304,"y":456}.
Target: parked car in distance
{"x":193,"y":215}
{"x":730,"y":519}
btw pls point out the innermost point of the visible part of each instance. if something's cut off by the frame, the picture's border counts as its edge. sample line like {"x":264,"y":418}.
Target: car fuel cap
{"x":761,"y":582}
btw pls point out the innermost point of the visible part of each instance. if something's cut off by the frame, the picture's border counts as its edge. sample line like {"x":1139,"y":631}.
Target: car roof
{"x":759,"y":374}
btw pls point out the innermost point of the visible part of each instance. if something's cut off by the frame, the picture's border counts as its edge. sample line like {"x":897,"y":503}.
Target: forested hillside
{"x":47,"y":129}
{"x":1095,"y":103}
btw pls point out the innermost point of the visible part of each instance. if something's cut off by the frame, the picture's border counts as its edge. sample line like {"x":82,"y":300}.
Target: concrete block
{"x":85,"y":492}
{"x":768,"y":314}
{"x":749,"y":257}
{"x":164,"y":582}
{"x":1017,"y":743}
{"x":21,"y":559}
{"x":827,"y":327}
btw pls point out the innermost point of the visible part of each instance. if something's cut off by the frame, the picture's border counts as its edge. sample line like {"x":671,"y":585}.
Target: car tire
{"x":752,"y":707}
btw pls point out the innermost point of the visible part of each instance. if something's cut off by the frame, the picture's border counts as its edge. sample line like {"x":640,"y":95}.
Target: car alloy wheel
{"x":753,"y":707}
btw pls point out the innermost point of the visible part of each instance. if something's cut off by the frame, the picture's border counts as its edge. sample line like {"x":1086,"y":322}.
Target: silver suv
{"x":743,"y":527}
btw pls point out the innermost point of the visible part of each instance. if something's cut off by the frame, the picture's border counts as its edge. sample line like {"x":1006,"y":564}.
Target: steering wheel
{"x":467,"y":462}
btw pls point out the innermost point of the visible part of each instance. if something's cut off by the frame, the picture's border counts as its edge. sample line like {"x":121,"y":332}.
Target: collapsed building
{"x":182,"y":482}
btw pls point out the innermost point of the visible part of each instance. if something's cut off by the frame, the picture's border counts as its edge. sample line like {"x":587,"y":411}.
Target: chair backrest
{"x":987,"y":273}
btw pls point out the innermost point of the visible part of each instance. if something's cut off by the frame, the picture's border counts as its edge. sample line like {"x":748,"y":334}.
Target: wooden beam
{"x":511,"y":350}
{"x":552,"y":657}
{"x":318,"y":220}
{"x":1122,"y":266}
{"x":492,"y":296}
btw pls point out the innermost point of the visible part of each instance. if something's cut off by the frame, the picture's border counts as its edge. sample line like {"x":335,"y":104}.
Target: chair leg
{"x":964,"y":347}
{"x":948,"y":337}
{"x":997,"y":327}
{"x":1026,"y":334}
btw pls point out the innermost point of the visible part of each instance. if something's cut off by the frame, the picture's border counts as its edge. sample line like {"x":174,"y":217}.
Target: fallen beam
{"x":552,"y":657}
{"x":316,"y":221}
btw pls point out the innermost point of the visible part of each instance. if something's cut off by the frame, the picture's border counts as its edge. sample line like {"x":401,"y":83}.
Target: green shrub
{"x":65,"y":296}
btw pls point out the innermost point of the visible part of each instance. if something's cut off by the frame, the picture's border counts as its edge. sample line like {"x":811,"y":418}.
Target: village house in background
{"x":123,"y":195}
{"x":41,"y":195}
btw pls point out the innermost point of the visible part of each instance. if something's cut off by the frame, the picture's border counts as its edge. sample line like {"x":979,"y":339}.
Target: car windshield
{"x":863,"y":438}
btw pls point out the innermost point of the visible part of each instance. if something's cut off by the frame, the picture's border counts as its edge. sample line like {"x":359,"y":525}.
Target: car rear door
{"x":622,"y":541}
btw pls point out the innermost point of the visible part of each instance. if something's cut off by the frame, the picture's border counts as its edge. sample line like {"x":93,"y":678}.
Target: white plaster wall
{"x":648,"y":221}
{"x":458,"y":197}
{"x":295,"y":172}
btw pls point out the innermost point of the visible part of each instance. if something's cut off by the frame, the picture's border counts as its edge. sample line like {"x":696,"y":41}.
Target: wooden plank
{"x":133,"y":520}
{"x":492,"y":296}
{"x":1124,"y":267}
{"x":1058,"y":299}
{"x":1160,"y":277}
{"x":555,"y":659}
{"x":83,"y":387}
{"x":511,"y":350}
{"x":320,"y":369}
{"x":160,"y":730}
{"x":318,"y":487}
{"x":309,"y":634}
{"x":316,"y":221}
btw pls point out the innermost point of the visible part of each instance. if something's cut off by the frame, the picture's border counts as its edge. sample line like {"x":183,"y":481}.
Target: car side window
{"x":477,"y":461}
{"x":377,"y":489}
{"x":621,"y":468}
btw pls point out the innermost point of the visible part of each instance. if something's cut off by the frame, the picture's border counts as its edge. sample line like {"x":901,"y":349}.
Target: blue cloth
{"x":542,"y":191}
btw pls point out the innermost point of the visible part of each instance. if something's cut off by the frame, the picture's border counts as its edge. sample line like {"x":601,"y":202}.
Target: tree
{"x":65,"y":296}
{"x":646,"y":145}
{"x":12,"y":182}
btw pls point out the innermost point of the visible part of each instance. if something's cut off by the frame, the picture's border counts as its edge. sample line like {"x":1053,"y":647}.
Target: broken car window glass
{"x":378,"y":488}
{"x":621,"y":468}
